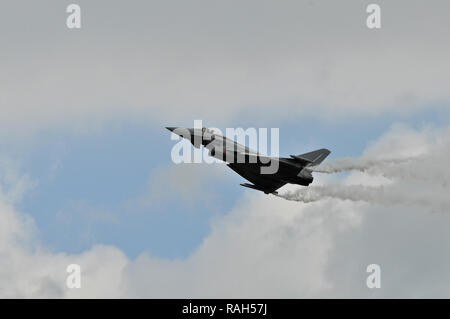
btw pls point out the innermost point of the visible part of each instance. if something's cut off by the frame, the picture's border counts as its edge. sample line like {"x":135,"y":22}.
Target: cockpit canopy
{"x":209,"y":130}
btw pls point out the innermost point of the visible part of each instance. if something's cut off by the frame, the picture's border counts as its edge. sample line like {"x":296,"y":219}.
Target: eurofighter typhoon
{"x":253,"y":166}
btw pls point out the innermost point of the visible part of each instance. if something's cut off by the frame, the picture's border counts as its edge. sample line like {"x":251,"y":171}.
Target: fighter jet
{"x":250,"y":164}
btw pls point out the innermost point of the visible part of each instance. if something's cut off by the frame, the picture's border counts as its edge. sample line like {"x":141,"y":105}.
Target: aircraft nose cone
{"x":171,"y":128}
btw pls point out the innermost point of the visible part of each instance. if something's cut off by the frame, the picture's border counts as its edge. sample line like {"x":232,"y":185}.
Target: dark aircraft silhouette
{"x":250,"y":164}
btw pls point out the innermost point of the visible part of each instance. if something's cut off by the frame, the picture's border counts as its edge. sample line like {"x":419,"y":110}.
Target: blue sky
{"x":89,"y":185}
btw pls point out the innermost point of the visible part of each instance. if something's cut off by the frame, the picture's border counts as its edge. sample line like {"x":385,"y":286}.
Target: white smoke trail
{"x":358,"y":164}
{"x":384,"y":195}
{"x":422,"y":180}
{"x":430,"y":168}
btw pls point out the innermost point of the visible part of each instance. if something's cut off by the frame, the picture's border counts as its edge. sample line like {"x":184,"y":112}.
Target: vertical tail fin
{"x":312,"y":158}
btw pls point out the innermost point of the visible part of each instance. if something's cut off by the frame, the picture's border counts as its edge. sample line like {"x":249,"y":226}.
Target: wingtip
{"x":170,"y":128}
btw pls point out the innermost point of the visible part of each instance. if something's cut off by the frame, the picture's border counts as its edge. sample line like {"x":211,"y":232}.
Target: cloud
{"x":13,"y":184}
{"x":29,"y":270}
{"x":256,"y":58}
{"x":267,"y":246}
{"x":413,"y":163}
